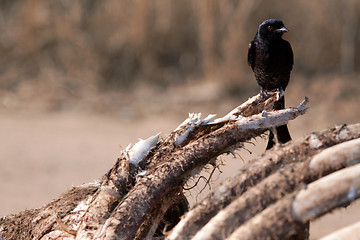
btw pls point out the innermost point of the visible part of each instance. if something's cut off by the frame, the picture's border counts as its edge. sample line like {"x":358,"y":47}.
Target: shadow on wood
{"x":141,"y":196}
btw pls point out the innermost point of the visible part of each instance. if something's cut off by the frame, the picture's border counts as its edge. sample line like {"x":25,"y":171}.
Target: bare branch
{"x":337,"y":189}
{"x":150,"y":190}
{"x":132,"y":199}
{"x":281,"y":220}
{"x":293,"y":163}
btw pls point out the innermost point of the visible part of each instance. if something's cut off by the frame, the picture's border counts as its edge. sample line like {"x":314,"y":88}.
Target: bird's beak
{"x":283,"y":29}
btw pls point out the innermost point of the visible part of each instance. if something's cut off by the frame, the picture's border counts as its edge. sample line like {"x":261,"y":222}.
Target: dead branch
{"x":277,"y":173}
{"x":151,"y":189}
{"x":143,"y":190}
{"x":339,"y":188}
{"x":283,"y":219}
{"x":90,"y":214}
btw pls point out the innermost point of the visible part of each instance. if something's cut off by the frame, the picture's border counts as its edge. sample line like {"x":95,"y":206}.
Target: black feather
{"x":271,"y":58}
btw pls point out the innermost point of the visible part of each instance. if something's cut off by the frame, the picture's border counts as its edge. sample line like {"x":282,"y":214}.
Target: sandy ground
{"x":42,"y":155}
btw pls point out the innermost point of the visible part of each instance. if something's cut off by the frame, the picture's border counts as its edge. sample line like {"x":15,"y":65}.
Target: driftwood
{"x":141,"y":196}
{"x":273,"y":182}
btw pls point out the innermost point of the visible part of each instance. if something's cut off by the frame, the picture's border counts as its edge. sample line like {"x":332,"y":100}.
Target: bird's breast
{"x":271,"y":67}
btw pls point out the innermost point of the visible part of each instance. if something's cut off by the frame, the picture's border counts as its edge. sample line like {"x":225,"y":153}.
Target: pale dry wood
{"x":97,"y":201}
{"x":286,"y":216}
{"x":141,"y":191}
{"x":270,"y":184}
{"x":252,"y":202}
{"x":339,"y":188}
{"x":150,"y":190}
{"x":131,"y":199}
{"x":344,"y":154}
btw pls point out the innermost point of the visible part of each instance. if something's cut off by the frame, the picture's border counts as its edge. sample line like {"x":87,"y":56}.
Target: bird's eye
{"x":270,"y":28}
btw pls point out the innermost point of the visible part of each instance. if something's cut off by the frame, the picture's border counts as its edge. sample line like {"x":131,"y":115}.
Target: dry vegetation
{"x":58,"y":55}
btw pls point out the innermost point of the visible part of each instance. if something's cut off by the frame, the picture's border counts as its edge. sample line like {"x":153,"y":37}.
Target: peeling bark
{"x":141,"y":196}
{"x":267,"y":179}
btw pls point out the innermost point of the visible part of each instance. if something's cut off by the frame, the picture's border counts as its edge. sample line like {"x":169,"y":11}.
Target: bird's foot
{"x":279,"y":93}
{"x":264,"y":93}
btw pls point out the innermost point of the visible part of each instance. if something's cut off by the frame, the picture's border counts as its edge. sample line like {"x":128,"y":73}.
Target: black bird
{"x":271,"y":59}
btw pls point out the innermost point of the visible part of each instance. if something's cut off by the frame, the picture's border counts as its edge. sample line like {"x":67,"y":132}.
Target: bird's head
{"x":272,"y":29}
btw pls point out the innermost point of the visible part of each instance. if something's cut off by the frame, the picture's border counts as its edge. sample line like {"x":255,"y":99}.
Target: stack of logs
{"x":271,"y":197}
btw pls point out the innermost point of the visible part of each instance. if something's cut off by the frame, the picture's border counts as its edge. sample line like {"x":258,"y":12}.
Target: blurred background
{"x":78,"y":79}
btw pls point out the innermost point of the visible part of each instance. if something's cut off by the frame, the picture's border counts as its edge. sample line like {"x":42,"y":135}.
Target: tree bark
{"x":141,"y":196}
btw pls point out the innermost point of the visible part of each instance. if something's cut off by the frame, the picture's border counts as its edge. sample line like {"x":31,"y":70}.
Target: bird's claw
{"x":279,"y":93}
{"x":264,"y":93}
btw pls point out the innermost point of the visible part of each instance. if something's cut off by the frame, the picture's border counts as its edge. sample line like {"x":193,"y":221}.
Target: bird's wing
{"x":251,"y":54}
{"x":290,"y":54}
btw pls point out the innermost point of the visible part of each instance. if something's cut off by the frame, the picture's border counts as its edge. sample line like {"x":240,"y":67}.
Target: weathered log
{"x":283,"y":219}
{"x":88,"y":211}
{"x":268,"y":198}
{"x":271,"y":184}
{"x":273,"y":196}
{"x":37,"y":223}
{"x":153,"y":188}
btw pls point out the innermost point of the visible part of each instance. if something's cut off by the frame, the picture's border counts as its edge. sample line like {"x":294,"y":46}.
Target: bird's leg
{"x":262,"y":93}
{"x":279,"y":92}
